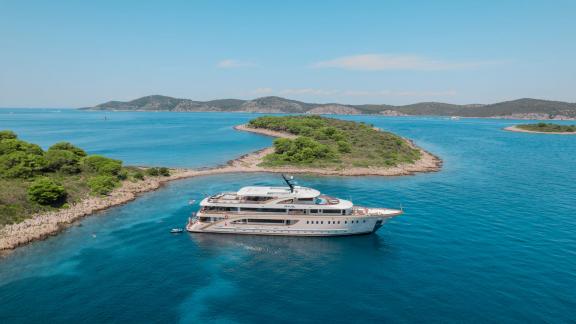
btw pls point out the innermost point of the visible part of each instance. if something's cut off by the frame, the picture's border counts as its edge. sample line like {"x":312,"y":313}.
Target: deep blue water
{"x":490,"y":238}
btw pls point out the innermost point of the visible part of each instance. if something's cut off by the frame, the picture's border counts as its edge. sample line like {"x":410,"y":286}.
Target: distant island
{"x":515,"y":109}
{"x":544,"y":128}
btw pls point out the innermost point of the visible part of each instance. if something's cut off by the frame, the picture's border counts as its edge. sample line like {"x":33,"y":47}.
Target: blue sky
{"x":81,"y":53}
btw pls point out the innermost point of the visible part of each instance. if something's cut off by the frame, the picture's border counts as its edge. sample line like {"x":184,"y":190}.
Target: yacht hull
{"x":310,"y":226}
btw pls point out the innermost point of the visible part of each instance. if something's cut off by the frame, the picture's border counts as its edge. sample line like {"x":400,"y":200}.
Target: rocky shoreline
{"x":43,"y":225}
{"x":520,"y":130}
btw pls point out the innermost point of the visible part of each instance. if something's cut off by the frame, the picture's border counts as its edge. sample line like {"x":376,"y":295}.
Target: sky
{"x":81,"y":53}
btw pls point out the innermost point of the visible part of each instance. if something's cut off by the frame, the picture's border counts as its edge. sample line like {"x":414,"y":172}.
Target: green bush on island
{"x":63,"y":160}
{"x":65,"y":146}
{"x":329,"y":142}
{"x":301,"y":150}
{"x":156,"y":172}
{"x":152,"y":172}
{"x":102,"y":184}
{"x":548,"y":127}
{"x":33,"y":180}
{"x":46,"y":191}
{"x":20,"y":164}
{"x":101,"y":165}
{"x":7,"y":134}
{"x":138,"y":175}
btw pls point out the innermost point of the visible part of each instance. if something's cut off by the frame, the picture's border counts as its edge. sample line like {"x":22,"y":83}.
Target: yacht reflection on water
{"x":303,"y":247}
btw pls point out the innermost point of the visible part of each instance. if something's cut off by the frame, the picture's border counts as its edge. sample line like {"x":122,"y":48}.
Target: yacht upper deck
{"x":278,"y":192}
{"x":274,"y":196}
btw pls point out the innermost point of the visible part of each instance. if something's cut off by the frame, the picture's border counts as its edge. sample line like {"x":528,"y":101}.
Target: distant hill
{"x":521,"y":108}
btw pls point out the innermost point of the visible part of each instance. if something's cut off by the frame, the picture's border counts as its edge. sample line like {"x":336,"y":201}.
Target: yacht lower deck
{"x":360,"y":221}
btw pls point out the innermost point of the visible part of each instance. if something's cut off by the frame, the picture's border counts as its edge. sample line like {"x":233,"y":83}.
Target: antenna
{"x":289,"y":182}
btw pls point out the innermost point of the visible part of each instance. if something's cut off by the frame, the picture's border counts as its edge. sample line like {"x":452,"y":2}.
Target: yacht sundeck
{"x":291,"y":210}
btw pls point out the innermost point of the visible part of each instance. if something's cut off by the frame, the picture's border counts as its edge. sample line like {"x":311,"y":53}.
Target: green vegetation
{"x":333,"y":143}
{"x":155,"y":172}
{"x":46,"y":191}
{"x":548,"y":127}
{"x":33,"y":180}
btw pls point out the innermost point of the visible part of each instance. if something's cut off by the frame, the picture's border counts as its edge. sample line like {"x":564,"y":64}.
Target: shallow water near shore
{"x":492,"y":237}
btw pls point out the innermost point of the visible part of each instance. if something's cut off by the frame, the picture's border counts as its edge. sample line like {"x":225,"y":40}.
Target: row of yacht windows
{"x":260,"y":221}
{"x":276,"y":210}
{"x":335,"y":222}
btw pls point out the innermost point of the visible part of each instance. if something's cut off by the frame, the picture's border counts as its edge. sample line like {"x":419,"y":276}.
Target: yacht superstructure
{"x":291,"y":210}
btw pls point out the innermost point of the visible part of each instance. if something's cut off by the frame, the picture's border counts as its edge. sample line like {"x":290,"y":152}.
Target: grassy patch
{"x":332,"y":143}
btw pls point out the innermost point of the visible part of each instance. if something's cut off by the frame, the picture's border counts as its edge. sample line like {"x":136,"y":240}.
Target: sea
{"x":491,"y":238}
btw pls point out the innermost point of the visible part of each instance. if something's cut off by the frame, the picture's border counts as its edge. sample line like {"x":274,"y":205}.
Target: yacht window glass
{"x":265,"y":221}
{"x":332,"y":211}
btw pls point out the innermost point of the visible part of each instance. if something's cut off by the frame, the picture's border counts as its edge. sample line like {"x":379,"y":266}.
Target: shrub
{"x":282,"y":145}
{"x":154,"y":172}
{"x":65,"y":146}
{"x":102,"y":184}
{"x":10,"y":145}
{"x":20,"y":165}
{"x":101,"y":165}
{"x":123,"y":174}
{"x":46,"y":191}
{"x":164,"y":172}
{"x":7,"y":134}
{"x":138,"y":175}
{"x":344,"y":147}
{"x":302,"y":150}
{"x":58,"y":159}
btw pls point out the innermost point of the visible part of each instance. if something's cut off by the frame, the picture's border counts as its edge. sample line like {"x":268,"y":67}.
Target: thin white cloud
{"x":232,"y":63}
{"x":401,"y":93}
{"x":381,"y":62}
{"x":262,"y":91}
{"x":353,"y":93}
{"x":308,"y":91}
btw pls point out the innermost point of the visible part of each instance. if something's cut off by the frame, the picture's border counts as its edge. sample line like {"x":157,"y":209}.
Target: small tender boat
{"x":176,"y":230}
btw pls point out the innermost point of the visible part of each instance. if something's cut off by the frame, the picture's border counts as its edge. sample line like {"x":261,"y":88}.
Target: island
{"x":42,"y":192}
{"x":544,"y":128}
{"x":525,"y":108}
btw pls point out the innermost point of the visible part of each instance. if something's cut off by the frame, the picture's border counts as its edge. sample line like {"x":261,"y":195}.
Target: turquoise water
{"x":490,"y":238}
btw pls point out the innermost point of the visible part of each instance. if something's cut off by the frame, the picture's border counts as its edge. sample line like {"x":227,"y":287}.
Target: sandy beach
{"x":43,"y":225}
{"x":520,"y":130}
